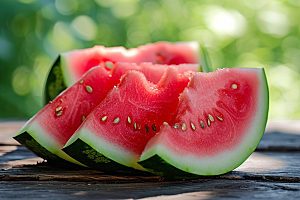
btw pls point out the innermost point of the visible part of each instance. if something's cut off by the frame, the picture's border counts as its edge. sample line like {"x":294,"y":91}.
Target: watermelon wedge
{"x":114,"y":135}
{"x":70,"y":66}
{"x":219,"y":122}
{"x":48,"y":131}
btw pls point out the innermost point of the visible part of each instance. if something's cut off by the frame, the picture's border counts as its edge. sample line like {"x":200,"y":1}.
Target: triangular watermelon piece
{"x":117,"y":130}
{"x":219,"y":122}
{"x":70,"y":66}
{"x":48,"y":131}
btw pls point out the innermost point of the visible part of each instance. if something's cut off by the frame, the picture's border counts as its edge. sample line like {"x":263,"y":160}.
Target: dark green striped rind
{"x":55,"y":83}
{"x":160,"y":167}
{"x":35,"y":147}
{"x":90,"y":157}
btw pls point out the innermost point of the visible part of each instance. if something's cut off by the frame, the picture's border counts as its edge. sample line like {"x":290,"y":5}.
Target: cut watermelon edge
{"x":32,"y":133}
{"x":57,"y":82}
{"x":88,"y":155}
{"x":211,"y":166}
{"x":100,"y":145}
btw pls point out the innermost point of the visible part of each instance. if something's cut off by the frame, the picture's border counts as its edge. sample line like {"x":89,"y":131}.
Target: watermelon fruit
{"x":114,"y":135}
{"x":219,"y":122}
{"x":70,"y":66}
{"x":48,"y":131}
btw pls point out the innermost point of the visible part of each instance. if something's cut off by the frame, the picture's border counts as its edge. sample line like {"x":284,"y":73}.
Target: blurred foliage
{"x":241,"y":33}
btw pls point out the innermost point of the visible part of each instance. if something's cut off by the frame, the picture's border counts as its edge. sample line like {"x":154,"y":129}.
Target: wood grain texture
{"x":7,"y":130}
{"x":214,"y":189}
{"x":272,"y":172}
{"x":20,"y":164}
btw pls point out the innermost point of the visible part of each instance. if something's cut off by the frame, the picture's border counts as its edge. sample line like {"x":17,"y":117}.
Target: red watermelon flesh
{"x":132,"y":113}
{"x":57,"y":121}
{"x":219,"y":122}
{"x":75,"y":63}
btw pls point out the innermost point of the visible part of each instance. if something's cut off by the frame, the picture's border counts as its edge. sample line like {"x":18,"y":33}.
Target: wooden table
{"x":271,"y":172}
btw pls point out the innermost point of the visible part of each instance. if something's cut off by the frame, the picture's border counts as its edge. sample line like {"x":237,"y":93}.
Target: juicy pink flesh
{"x":146,"y":104}
{"x":157,"y":53}
{"x":77,"y":102}
{"x":212,"y":94}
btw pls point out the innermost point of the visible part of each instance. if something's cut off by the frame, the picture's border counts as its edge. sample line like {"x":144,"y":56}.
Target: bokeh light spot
{"x":139,"y":37}
{"x":62,"y":35}
{"x":85,"y":27}
{"x":224,"y":22}
{"x":274,"y":23}
{"x":66,"y":7}
{"x":21,"y":80}
{"x":124,"y":9}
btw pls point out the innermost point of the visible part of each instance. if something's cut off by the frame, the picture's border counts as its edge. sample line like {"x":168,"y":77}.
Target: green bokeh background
{"x":236,"y":33}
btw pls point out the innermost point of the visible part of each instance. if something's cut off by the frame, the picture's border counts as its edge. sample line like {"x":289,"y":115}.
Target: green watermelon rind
{"x":158,"y":166}
{"x":86,"y":154}
{"x":31,"y":144}
{"x":34,"y":138}
{"x":212,"y":166}
{"x":111,"y":150}
{"x":55,"y":83}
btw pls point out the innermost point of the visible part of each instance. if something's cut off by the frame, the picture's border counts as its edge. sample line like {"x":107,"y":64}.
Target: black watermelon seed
{"x":153,"y":127}
{"x":146,"y":128}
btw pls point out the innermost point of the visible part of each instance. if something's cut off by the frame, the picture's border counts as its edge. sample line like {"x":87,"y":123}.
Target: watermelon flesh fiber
{"x":232,"y":105}
{"x":57,"y":121}
{"x":132,"y":113}
{"x":75,"y":63}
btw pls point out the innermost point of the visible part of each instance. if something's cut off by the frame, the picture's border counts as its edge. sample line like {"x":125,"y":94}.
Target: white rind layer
{"x":108,"y":149}
{"x":68,"y":74}
{"x":43,"y":138}
{"x":226,"y":161}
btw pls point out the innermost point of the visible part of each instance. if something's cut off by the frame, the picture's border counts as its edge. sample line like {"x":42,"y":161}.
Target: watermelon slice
{"x":114,"y":135}
{"x":219,"y":122}
{"x":48,"y":131}
{"x":70,"y":66}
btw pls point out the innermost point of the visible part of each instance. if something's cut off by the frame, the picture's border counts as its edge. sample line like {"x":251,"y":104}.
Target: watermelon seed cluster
{"x":135,"y":125}
{"x":209,"y":120}
{"x":58,"y":111}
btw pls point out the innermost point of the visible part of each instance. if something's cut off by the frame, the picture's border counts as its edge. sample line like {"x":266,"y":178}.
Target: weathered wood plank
{"x":279,"y":141}
{"x":214,"y":189}
{"x":9,"y":129}
{"x":279,"y":166}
